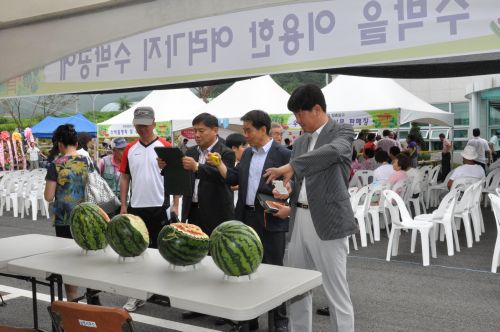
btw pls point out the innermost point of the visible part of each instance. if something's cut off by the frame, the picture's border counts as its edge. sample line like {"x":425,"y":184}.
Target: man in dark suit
{"x":263,"y":153}
{"x":212,"y":201}
{"x":320,"y":209}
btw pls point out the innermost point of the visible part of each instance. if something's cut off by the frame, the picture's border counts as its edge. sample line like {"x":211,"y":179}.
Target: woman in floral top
{"x":65,"y":184}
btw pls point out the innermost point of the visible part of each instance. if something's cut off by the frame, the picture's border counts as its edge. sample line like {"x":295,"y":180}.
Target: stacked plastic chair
{"x":495,"y":205}
{"x":402,"y":220}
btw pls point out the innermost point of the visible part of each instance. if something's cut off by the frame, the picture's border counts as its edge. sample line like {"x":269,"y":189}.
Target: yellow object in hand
{"x":214,"y":158}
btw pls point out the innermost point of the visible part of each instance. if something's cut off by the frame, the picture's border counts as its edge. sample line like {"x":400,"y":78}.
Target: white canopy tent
{"x":353,"y":94}
{"x":260,"y":93}
{"x":178,"y":106}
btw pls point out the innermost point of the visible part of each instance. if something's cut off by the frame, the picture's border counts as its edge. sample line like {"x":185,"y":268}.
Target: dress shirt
{"x":446,"y":146}
{"x":255,"y":171}
{"x":201,"y":160}
{"x":386,"y":144}
{"x":313,"y":138}
{"x":495,"y":142}
{"x":481,"y":146}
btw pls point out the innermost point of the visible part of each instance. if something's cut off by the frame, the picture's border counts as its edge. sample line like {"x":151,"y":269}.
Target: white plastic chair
{"x":352,"y":193}
{"x":462,"y":211}
{"x":463,"y":183}
{"x":15,"y":192}
{"x":443,"y":217}
{"x":400,"y":188}
{"x":475,"y":209}
{"x":495,"y":205}
{"x":414,"y":196}
{"x":377,"y":209}
{"x":434,"y":190}
{"x":360,"y":204}
{"x":401,"y":219}
{"x":431,"y":180}
{"x":4,"y":198}
{"x":35,"y":199}
{"x":491,"y":183}
{"x":363,"y":177}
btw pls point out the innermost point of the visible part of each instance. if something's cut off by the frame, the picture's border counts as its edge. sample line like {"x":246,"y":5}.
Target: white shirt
{"x":314,"y":137}
{"x":139,"y":161}
{"x":201,"y":161}
{"x":82,"y":152}
{"x":474,"y":171}
{"x":481,"y":146}
{"x":495,"y":142}
{"x":255,"y":171}
{"x":383,"y":172}
{"x":33,"y":151}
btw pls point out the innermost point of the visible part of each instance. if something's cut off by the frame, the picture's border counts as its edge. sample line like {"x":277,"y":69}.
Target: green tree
{"x":100,"y":116}
{"x":124,"y":103}
{"x":291,"y":81}
{"x":417,"y":134}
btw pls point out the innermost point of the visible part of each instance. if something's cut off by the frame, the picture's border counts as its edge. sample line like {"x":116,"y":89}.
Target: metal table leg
{"x":35,"y":306}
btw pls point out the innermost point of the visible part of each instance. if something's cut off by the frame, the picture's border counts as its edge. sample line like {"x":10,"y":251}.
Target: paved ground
{"x":454,"y":294}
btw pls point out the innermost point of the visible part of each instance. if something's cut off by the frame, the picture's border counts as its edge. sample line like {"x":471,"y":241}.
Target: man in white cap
{"x":139,"y":170}
{"x":469,"y":168}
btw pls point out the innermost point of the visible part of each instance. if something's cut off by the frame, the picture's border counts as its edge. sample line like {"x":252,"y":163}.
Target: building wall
{"x":456,"y":90}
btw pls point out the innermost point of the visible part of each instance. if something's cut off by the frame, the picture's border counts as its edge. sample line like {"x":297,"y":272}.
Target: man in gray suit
{"x":320,"y":208}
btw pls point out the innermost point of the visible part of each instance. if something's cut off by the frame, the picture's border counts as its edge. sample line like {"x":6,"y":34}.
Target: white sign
{"x":292,"y":37}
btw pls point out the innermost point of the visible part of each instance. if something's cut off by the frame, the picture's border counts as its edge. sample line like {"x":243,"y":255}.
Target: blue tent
{"x":46,"y":127}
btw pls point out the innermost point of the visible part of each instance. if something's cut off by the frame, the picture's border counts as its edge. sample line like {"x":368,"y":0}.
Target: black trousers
{"x":154,"y":218}
{"x":445,"y":165}
{"x":195,"y":217}
{"x":274,"y":251}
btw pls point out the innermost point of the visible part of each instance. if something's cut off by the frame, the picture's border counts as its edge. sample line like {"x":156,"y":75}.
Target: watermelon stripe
{"x":238,"y":254}
{"x":183,"y":244}
{"x":88,"y":226}
{"x":236,"y":248}
{"x":124,"y":231}
{"x":124,"y":238}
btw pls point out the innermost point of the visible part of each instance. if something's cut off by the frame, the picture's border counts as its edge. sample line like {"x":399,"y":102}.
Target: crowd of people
{"x":316,"y":169}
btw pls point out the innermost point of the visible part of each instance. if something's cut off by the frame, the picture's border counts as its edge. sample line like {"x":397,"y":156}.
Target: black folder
{"x":267,"y":202}
{"x":177,"y":179}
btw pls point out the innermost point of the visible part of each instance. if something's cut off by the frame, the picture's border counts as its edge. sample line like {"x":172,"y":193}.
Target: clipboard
{"x":177,"y":179}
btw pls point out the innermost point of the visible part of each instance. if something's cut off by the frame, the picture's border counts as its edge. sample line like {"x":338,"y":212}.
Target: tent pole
{"x":97,"y":147}
{"x":452,"y":142}
{"x":172,"y":131}
{"x":399,"y":123}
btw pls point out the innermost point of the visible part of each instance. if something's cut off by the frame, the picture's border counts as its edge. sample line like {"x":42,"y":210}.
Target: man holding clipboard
{"x":211,"y":201}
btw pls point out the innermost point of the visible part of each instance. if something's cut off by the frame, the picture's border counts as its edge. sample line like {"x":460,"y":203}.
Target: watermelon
{"x":236,"y":248}
{"x":88,"y":224}
{"x":183,"y":244}
{"x":127,"y":235}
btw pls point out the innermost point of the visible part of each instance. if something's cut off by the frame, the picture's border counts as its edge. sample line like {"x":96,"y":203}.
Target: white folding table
{"x":16,"y":247}
{"x":203,"y":289}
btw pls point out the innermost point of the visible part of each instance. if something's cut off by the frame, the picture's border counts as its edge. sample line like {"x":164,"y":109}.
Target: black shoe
{"x":191,"y":315}
{"x":253,"y":324}
{"x":160,"y":300}
{"x":219,"y":321}
{"x":324,"y":311}
{"x":94,"y":300}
